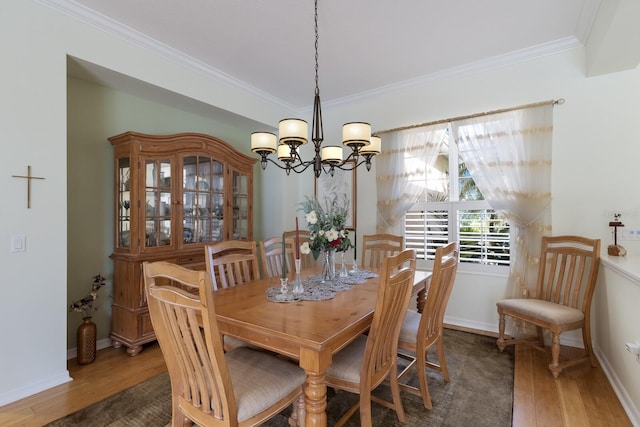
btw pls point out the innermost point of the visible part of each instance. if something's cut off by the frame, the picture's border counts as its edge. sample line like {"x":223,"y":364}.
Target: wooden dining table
{"x":310,"y":332}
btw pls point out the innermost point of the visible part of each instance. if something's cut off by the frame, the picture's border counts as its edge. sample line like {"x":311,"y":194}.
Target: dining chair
{"x":306,"y":260}
{"x":209,"y":387}
{"x":271,"y":256}
{"x":376,"y":247}
{"x":421,"y":331}
{"x":566,"y":280}
{"x":370,"y":359}
{"x":231,"y":262}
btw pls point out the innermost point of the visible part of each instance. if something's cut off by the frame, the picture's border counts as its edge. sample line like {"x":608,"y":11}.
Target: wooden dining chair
{"x":370,"y":359}
{"x":209,"y":387}
{"x":271,"y":256}
{"x":421,"y":331}
{"x":306,"y":260}
{"x":231,"y":262}
{"x":566,"y":280}
{"x":376,"y":247}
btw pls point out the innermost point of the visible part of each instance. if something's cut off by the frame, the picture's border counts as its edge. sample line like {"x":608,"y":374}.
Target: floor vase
{"x":86,"y":340}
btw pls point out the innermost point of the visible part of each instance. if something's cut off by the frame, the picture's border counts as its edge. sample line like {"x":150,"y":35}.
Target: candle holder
{"x":354,"y":267}
{"x":284,"y":291}
{"x":298,"y":289}
{"x":343,"y":269}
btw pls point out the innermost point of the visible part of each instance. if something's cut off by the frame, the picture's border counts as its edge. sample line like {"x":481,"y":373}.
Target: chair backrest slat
{"x":271,"y":256}
{"x":394,"y":293}
{"x":377,"y":247}
{"x":189,"y":338}
{"x":568,"y":270}
{"x":445,"y":268}
{"x":231,"y":262}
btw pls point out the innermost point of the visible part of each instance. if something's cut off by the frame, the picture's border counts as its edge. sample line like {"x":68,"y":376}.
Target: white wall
{"x":595,"y":149}
{"x":35,"y":42}
{"x":594,"y":173}
{"x":617,"y":322}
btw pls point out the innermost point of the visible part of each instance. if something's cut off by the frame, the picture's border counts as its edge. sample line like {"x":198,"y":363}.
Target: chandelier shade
{"x":356,"y":134}
{"x":374,"y":147}
{"x":332,"y":154}
{"x":292,"y":133}
{"x":263,"y":141}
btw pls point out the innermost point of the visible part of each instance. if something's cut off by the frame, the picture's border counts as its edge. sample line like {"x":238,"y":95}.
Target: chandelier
{"x":293,"y":134}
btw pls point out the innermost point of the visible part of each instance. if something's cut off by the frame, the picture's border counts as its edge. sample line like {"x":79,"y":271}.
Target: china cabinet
{"x":173,"y":194}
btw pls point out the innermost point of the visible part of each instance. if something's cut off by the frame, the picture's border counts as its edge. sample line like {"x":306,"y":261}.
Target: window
{"x":452,"y":208}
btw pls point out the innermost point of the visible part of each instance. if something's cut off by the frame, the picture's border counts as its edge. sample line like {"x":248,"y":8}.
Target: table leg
{"x":420,"y":300}
{"x":315,"y":400}
{"x":315,"y":364}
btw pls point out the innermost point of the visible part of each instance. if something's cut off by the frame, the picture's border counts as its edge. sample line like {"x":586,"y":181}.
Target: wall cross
{"x":28,"y":177}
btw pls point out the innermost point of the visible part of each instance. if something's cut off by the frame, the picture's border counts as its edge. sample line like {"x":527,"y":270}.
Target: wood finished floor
{"x":582,"y":396}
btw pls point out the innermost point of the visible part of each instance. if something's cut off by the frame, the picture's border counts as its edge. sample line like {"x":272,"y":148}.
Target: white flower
{"x":311,"y":217}
{"x":305,"y":249}
{"x":342,"y":233}
{"x":332,"y":235}
{"x":321,"y":233}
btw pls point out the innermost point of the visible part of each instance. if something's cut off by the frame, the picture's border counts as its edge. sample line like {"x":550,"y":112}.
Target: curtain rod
{"x":471,"y":116}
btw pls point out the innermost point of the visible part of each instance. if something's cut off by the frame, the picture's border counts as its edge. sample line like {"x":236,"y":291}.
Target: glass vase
{"x":329,"y":266}
{"x":343,"y":269}
{"x":298,"y":289}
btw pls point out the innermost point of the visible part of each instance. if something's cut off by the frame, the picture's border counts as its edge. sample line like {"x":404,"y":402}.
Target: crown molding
{"x":488,"y":64}
{"x":116,"y":29}
{"x":103,"y":23}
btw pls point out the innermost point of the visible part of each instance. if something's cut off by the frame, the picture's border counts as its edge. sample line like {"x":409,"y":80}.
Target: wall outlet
{"x":633,"y":348}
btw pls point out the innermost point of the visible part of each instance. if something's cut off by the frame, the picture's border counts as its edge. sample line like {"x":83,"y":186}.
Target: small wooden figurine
{"x":616,"y":249}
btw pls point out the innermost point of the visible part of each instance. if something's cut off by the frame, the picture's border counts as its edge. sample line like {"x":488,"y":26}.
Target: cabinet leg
{"x":116,"y":344}
{"x":133,"y":351}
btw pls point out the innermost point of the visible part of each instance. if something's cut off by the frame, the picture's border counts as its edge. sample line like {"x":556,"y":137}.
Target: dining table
{"x":307,"y":331}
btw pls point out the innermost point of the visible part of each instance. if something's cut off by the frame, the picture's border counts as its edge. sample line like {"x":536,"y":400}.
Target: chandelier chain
{"x":316,"y":46}
{"x":293,"y":134}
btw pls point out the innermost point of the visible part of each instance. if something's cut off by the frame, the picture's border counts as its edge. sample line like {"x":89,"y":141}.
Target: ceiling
{"x":365,"y":46}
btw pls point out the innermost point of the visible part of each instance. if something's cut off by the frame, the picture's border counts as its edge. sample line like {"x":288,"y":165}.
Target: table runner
{"x":315,"y":290}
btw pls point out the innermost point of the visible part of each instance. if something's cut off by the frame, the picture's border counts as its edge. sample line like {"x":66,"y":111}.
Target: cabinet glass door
{"x":123,"y":239}
{"x":203,"y":200}
{"x":240,"y":206}
{"x":157,"y":210}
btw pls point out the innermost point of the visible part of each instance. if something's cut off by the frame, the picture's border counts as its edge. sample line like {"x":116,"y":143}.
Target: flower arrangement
{"x":326,"y":224}
{"x":85,"y":305}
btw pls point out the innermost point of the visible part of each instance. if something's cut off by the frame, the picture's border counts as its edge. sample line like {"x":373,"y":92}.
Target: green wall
{"x":95,"y":113}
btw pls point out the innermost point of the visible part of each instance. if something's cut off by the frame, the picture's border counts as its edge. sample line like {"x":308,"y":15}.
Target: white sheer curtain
{"x":406,"y":157}
{"x":509,"y":157}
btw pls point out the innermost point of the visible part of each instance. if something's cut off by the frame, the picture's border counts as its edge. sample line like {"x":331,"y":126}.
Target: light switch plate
{"x":18,"y":243}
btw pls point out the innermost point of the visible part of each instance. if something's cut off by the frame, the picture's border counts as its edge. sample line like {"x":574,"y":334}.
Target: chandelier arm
{"x":306,"y":165}
{"x":298,"y":167}
{"x":353,"y":165}
{"x":264,"y":163}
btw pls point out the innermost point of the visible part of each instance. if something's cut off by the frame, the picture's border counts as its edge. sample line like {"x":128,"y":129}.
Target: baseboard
{"x":33,"y":388}
{"x":471,"y":326}
{"x":72,"y":353}
{"x":633,"y":412}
